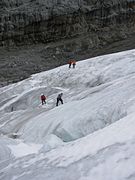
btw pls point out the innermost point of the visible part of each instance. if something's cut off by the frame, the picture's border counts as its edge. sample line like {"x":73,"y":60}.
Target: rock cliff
{"x":34,"y":21}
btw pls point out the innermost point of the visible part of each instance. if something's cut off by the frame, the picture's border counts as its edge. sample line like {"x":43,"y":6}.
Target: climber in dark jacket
{"x":59,"y":98}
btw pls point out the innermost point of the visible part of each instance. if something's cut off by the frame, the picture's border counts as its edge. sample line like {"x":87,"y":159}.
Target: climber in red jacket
{"x":43,"y":98}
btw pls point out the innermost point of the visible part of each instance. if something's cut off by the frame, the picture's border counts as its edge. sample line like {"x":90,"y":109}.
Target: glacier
{"x":91,"y":136}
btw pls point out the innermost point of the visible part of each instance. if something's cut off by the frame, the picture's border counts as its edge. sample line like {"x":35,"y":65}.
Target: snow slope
{"x":91,"y":136}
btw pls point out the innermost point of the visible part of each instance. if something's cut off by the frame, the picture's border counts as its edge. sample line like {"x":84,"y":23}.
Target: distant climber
{"x":59,"y":98}
{"x":74,"y":63}
{"x":70,"y":63}
{"x":43,"y":99}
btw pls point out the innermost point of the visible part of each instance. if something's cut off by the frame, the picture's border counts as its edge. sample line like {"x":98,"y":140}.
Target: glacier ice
{"x":90,"y":136}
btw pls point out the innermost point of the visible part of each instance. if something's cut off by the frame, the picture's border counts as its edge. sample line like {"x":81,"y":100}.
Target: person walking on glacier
{"x":70,"y":63}
{"x":43,"y":99}
{"x":74,"y":63}
{"x":59,"y":98}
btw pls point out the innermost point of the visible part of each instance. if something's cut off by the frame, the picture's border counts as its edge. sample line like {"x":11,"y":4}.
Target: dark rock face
{"x":37,"y":35}
{"x":34,"y":21}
